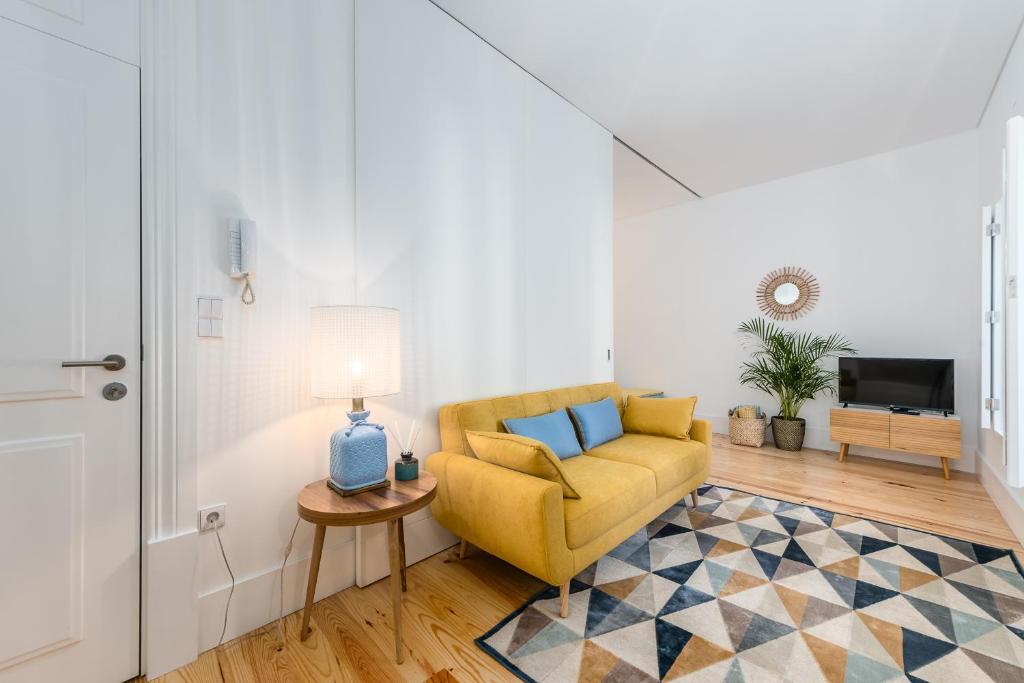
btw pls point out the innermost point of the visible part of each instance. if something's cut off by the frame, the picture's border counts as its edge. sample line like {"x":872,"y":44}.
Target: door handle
{"x":112,"y":362}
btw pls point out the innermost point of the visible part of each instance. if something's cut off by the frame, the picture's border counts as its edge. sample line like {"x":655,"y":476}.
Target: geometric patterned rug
{"x":749,"y":588}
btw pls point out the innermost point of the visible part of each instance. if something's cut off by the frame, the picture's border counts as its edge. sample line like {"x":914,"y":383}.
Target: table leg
{"x":394,"y":551}
{"x":401,"y":550}
{"x":314,"y":570}
{"x":945,"y":468}
{"x":844,"y":449}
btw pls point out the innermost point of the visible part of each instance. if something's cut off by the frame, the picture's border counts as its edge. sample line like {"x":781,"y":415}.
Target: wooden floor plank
{"x":442,"y":612}
{"x":451,"y":602}
{"x":909,"y":495}
{"x":206,"y":669}
{"x":315,"y":658}
{"x":268,"y":661}
{"x":372,"y":607}
{"x":359,"y":657}
{"x":234,"y":667}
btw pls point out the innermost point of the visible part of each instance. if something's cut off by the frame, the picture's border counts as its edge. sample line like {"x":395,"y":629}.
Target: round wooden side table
{"x":323,"y":507}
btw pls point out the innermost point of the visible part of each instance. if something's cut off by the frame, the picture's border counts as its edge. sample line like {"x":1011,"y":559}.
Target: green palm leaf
{"x":787,"y":364}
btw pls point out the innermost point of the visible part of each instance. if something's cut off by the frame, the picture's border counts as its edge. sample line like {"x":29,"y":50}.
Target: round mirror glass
{"x":785,"y":294}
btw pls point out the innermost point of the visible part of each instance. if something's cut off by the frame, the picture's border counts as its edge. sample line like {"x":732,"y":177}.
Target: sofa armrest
{"x":518,"y":517}
{"x":700,"y":430}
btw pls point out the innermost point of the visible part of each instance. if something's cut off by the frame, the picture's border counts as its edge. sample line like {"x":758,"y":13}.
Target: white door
{"x":69,"y":291}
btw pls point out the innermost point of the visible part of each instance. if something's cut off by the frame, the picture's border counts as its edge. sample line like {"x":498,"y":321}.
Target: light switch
{"x":211,"y":316}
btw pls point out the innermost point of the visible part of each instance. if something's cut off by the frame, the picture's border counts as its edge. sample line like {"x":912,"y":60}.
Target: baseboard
{"x":172,"y":610}
{"x":814,"y":437}
{"x":1000,"y":494}
{"x":256,"y":603}
{"x":256,"y":598}
{"x":817,"y":437}
{"x":423,"y":537}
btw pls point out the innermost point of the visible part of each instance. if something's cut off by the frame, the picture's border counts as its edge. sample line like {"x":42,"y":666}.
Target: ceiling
{"x":722,"y":94}
{"x":641,"y":187}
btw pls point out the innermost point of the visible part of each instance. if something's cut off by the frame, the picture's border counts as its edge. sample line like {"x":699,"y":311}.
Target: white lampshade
{"x":355,"y":351}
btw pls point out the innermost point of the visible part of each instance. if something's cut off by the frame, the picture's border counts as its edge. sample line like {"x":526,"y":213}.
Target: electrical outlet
{"x":212,"y":517}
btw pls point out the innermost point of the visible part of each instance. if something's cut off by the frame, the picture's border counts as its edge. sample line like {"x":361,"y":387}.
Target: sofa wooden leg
{"x":563,"y":597}
{"x":694,"y":497}
{"x":462,"y":549}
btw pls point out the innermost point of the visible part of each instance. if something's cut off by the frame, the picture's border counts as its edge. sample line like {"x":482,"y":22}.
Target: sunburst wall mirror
{"x":787,"y":293}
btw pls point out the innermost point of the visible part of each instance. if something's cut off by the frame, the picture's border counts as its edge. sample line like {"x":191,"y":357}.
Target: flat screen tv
{"x":915,"y":383}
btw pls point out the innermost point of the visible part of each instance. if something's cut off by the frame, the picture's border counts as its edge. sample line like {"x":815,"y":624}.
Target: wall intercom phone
{"x":242,"y":254}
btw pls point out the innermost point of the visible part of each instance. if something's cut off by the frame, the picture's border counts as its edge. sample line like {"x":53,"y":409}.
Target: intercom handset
{"x":242,"y":254}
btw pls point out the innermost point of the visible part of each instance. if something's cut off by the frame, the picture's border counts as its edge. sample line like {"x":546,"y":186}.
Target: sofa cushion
{"x":672,"y":461}
{"x":486,"y":415}
{"x":669,"y":417}
{"x":521,"y":454}
{"x":597,"y":422}
{"x":553,"y":428}
{"x":610,"y":492}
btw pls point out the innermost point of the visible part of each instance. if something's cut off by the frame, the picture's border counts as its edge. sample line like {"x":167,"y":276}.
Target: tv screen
{"x":925,"y":384}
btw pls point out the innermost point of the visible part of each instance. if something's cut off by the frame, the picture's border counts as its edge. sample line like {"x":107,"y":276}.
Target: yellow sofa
{"x":623,"y":485}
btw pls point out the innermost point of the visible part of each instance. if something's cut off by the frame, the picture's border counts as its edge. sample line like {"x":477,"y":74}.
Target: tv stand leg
{"x":945,"y":468}
{"x":844,"y":449}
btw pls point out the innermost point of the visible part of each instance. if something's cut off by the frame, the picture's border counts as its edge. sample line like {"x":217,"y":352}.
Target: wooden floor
{"x":451,"y":602}
{"x":907,"y":495}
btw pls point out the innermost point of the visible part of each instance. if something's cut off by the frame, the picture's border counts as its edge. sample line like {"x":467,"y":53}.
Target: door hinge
{"x":991,"y":317}
{"x":992,"y":404}
{"x":993,"y":229}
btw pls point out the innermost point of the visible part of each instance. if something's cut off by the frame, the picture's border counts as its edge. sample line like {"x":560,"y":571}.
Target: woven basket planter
{"x":788,"y":434}
{"x":746,"y":431}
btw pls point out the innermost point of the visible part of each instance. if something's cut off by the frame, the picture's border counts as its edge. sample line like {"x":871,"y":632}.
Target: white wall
{"x":480,"y":194}
{"x":274,"y":106}
{"x":892,"y":240}
{"x":484,"y":207}
{"x":1006,"y":102}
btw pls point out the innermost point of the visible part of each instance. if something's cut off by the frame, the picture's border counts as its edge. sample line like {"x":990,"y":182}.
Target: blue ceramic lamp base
{"x":359,"y":455}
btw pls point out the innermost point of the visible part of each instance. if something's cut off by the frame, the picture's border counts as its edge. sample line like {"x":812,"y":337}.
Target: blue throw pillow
{"x":554,"y":429}
{"x":597,"y":422}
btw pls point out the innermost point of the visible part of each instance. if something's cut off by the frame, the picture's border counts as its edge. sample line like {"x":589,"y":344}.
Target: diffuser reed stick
{"x":407,"y":441}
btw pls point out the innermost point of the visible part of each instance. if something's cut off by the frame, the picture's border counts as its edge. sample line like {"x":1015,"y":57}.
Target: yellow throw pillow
{"x":521,"y":454}
{"x":669,"y":417}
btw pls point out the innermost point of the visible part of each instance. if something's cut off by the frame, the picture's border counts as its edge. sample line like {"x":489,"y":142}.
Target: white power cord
{"x":280,"y":614}
{"x":227,"y":605}
{"x":231,"y":593}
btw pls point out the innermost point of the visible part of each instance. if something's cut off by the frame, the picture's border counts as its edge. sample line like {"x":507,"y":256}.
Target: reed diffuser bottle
{"x":407,"y":467}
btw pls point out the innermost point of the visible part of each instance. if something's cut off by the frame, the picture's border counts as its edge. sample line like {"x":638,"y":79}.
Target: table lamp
{"x":355,"y":354}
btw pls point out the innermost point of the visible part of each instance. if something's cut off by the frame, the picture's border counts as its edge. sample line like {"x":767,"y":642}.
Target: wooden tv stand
{"x":880,"y":428}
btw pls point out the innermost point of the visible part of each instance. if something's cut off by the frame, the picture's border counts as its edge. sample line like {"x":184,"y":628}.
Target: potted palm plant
{"x":787,"y":365}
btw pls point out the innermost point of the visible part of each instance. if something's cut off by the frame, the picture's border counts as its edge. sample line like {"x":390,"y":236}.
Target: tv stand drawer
{"x":861,"y":427}
{"x":925,"y":434}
